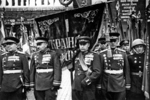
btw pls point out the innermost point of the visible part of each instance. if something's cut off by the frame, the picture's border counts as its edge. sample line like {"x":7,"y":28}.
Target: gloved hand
{"x":27,"y":88}
{"x":86,"y":81}
{"x":55,"y":88}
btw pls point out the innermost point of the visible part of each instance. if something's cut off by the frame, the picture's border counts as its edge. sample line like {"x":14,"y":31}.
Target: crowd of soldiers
{"x":107,"y":73}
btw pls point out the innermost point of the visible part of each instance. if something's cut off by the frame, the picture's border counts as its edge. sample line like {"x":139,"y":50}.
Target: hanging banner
{"x":148,"y":13}
{"x":63,"y":28}
{"x":126,"y":6}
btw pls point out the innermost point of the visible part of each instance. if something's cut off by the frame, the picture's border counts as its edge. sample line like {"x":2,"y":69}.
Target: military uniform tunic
{"x":14,"y":71}
{"x":136,"y":62}
{"x":115,"y":75}
{"x":45,"y":70}
{"x":83,"y":87}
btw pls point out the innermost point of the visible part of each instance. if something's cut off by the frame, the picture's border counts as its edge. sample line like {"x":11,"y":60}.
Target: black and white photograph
{"x":74,"y":49}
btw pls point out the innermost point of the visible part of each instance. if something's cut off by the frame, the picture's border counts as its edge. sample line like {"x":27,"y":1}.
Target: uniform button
{"x":140,"y":67}
{"x":109,"y":65}
{"x":139,"y":61}
{"x":13,"y":68}
{"x":135,"y":61}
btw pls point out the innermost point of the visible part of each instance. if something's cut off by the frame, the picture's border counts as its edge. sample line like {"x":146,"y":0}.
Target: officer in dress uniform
{"x":115,"y":75}
{"x":136,"y":61}
{"x":102,"y":46}
{"x":45,"y":72}
{"x":87,"y":70}
{"x":14,"y":71}
{"x":1,"y":52}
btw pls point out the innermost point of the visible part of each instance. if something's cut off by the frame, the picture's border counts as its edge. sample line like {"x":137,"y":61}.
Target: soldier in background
{"x":14,"y":71}
{"x":115,"y":76}
{"x":87,"y":70}
{"x":101,"y":45}
{"x":136,"y":62}
{"x":124,"y":44}
{"x":45,"y":72}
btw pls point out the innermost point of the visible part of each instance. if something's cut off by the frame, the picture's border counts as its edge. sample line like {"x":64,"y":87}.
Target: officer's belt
{"x":12,"y":71}
{"x":137,"y":73}
{"x":114,"y":71}
{"x":44,"y":70}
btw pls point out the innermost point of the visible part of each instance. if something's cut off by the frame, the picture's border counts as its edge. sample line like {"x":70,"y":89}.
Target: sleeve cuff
{"x":32,"y":84}
{"x":56,"y":83}
{"x":26,"y":84}
{"x":88,"y":81}
{"x":128,"y":86}
{"x":98,"y":86}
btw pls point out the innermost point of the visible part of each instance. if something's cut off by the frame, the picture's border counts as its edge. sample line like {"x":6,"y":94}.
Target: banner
{"x":63,"y":28}
{"x":81,"y":3}
{"x":126,"y":6}
{"x":148,"y":13}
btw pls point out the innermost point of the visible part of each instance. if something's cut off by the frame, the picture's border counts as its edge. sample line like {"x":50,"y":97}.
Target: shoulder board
{"x":131,"y":53}
{"x":4,"y":53}
{"x":103,"y":50}
{"x":94,"y":52}
{"x":36,"y":52}
{"x":121,"y":50}
{"x":20,"y":52}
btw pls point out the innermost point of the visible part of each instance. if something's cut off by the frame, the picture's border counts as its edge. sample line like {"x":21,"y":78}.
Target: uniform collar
{"x":44,"y":51}
{"x":12,"y":52}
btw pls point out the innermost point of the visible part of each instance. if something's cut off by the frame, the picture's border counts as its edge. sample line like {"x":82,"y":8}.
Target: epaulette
{"x":20,"y":52}
{"x":121,"y":50}
{"x":95,"y":52}
{"x":4,"y":53}
{"x":131,"y":53}
{"x":103,"y":50}
{"x":36,"y":52}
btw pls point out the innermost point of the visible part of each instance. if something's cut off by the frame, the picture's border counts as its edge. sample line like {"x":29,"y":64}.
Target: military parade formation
{"x":107,"y":74}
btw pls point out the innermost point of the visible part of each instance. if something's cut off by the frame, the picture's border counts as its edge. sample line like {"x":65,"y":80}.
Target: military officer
{"x":87,"y":70}
{"x":45,"y":72}
{"x":102,"y":44}
{"x":136,"y":61}
{"x":14,"y":71}
{"x":124,"y":44}
{"x":115,"y":75}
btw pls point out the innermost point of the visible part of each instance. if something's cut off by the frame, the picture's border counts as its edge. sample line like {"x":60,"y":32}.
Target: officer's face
{"x":84,"y":46}
{"x":126,"y":47}
{"x":113,"y":43}
{"x":139,"y":48}
{"x":11,"y":47}
{"x":103,"y":45}
{"x":41,"y":46}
